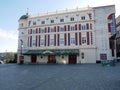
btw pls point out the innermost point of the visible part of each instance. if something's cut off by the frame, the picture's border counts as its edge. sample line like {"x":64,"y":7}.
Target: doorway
{"x":51,"y":59}
{"x":72,"y":59}
{"x":33,"y":59}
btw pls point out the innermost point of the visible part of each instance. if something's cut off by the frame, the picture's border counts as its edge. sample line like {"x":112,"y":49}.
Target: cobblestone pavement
{"x":59,"y":77}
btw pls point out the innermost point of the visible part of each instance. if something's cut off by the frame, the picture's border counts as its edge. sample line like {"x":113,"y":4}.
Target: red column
{"x":68,"y":27}
{"x":45,"y":40}
{"x":91,"y":26}
{"x":30,"y":41}
{"x":39,"y":41}
{"x":36,"y":41}
{"x":45,"y":29}
{"x":48,"y":29}
{"x":76,"y":39}
{"x":48,"y":40}
{"x":54,"y":39}
{"x":36,"y":30}
{"x":69,"y":39}
{"x":55,"y":28}
{"x":58,"y":28}
{"x":87,"y":25}
{"x":39,"y":30}
{"x":65,"y":27}
{"x":75,"y":26}
{"x":79,"y":26}
{"x":65,"y":39}
{"x":79,"y":38}
{"x":58,"y":39}
{"x":30,"y":31}
{"x":88,"y":41}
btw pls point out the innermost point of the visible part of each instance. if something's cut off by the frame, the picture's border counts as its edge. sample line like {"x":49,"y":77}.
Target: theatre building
{"x":73,"y":36}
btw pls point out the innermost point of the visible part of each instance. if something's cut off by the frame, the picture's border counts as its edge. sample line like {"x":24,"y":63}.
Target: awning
{"x":53,"y":52}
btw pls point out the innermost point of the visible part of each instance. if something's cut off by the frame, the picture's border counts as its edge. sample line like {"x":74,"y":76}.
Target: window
{"x":42,"y":31}
{"x":82,"y":55}
{"x":83,"y":18}
{"x":51,"y":41}
{"x":72,"y":40}
{"x":61,"y":40}
{"x":33,"y":31}
{"x":83,"y":27}
{"x":52,"y":30}
{"x":72,"y":19}
{"x":43,"y":22}
{"x":33,"y":42}
{"x":34,"y":23}
{"x":72,"y":28}
{"x":61,"y":20}
{"x":52,"y":21}
{"x":42,"y":42}
{"x":83,"y":40}
{"x":61,"y":29}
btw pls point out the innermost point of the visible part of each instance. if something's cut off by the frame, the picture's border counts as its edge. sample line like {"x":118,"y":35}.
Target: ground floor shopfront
{"x":64,"y":56}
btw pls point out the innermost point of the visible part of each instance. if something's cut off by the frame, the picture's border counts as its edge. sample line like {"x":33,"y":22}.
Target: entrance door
{"x":72,"y":59}
{"x":33,"y":59}
{"x":51,"y":59}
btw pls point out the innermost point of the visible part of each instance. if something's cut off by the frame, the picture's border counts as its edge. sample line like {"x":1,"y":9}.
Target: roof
{"x":52,"y":52}
{"x":24,"y":16}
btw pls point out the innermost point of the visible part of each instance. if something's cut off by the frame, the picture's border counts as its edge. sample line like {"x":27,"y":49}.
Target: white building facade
{"x":67,"y":37}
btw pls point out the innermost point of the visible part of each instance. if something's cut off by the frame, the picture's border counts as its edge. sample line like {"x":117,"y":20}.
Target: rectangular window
{"x":42,"y":22}
{"x":62,"y":41}
{"x":42,"y":42}
{"x":52,"y":30}
{"x":33,"y":31}
{"x":33,"y":42}
{"x":51,"y":41}
{"x":83,"y":18}
{"x":72,"y":19}
{"x":52,"y":21}
{"x":72,"y":40}
{"x":61,"y":20}
{"x":34,"y":23}
{"x":83,"y":40}
{"x":72,"y":28}
{"x":42,"y":31}
{"x":83,"y":27}
{"x":61,"y":29}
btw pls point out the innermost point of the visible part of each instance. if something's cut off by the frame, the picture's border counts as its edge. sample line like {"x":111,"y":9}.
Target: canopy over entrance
{"x":53,"y":52}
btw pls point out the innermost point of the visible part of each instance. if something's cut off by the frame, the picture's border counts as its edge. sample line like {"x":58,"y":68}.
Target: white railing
{"x":60,"y":12}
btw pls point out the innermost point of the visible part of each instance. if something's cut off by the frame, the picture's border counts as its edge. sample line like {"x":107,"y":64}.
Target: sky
{"x":12,"y":10}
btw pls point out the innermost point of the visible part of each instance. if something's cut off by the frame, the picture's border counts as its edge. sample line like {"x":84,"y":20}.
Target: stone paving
{"x":59,"y":77}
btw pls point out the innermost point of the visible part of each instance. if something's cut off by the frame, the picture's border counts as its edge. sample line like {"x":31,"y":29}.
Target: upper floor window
{"x":61,"y":40}
{"x":83,"y":40}
{"x":51,"y":41}
{"x":33,"y":31}
{"x":72,"y":28}
{"x":72,"y":19}
{"x":42,"y":42}
{"x":52,"y":30}
{"x":83,"y":18}
{"x":61,"y":29}
{"x":33,"y":42}
{"x":42,"y":22}
{"x":42,"y":31}
{"x":83,"y":27}
{"x":34,"y":23}
{"x":61,"y":20}
{"x":72,"y":40}
{"x":52,"y":21}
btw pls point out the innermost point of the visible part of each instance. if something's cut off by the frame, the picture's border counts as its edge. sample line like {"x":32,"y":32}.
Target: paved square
{"x":59,"y":77}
